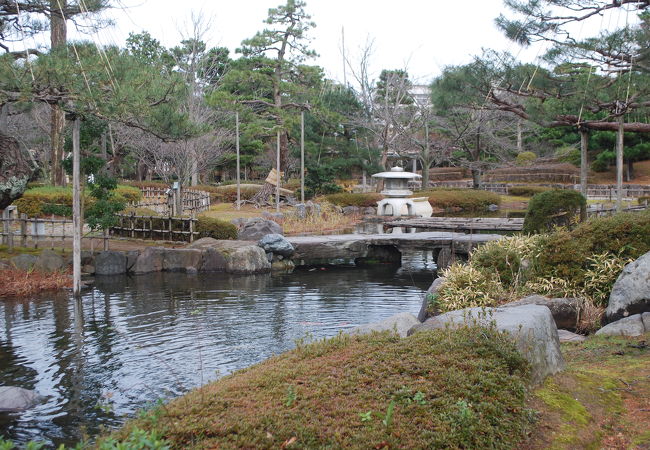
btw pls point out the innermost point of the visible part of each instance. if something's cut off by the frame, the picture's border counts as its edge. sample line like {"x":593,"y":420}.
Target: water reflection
{"x":133,"y":340}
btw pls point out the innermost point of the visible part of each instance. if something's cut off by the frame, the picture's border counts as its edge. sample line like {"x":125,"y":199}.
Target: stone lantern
{"x":396,"y":190}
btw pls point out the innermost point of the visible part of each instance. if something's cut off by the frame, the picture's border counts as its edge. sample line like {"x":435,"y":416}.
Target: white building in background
{"x":421,"y":94}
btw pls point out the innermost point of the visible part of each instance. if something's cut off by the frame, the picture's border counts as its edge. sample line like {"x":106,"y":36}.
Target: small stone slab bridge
{"x":466,"y":224}
{"x":363,"y":248}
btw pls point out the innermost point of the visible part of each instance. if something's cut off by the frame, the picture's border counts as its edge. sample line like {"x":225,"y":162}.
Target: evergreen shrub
{"x":465,"y":199}
{"x":557,"y":207}
{"x":525,"y":158}
{"x":216,"y":228}
{"x":362,"y":200}
{"x":526,"y":191}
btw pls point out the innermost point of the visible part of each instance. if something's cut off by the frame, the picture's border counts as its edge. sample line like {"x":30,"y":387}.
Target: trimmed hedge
{"x":41,"y":201}
{"x":526,"y":191}
{"x":362,"y":200}
{"x":525,"y":158}
{"x":466,"y":199}
{"x":557,"y":207}
{"x":216,"y":228}
{"x":643,"y":200}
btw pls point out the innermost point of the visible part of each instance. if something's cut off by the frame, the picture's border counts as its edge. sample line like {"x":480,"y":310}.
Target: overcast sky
{"x":422,"y":36}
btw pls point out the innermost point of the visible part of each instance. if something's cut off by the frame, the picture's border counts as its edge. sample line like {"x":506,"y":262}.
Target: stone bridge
{"x":359,"y":248}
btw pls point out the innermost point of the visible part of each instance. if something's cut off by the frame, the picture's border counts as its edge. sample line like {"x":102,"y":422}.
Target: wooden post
{"x":237,"y":146}
{"x":277,"y":184}
{"x":619,"y":163}
{"x":76,"y":210}
{"x":584,"y":167}
{"x":23,"y":230}
{"x":302,"y":156}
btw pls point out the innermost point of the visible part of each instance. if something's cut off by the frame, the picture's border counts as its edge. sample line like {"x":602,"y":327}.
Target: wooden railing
{"x":603,"y":191}
{"x":156,"y":228}
{"x":160,"y":200}
{"x":20,"y":230}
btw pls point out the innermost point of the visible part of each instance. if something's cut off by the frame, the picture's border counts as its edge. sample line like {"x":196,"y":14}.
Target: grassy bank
{"x":602,"y":400}
{"x":463,"y":388}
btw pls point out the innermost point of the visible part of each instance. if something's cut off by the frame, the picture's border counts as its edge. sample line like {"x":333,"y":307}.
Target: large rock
{"x":628,"y":326}
{"x":232,"y":256}
{"x":399,"y":323}
{"x":276,"y":244}
{"x":13,"y":398}
{"x":568,"y":336}
{"x":255,"y":229}
{"x":48,"y":261}
{"x":182,"y":260}
{"x":23,"y":262}
{"x":111,"y":263}
{"x":433,"y":289}
{"x":564,"y":310}
{"x":150,"y":260}
{"x":531,"y":326}
{"x":631,"y":292}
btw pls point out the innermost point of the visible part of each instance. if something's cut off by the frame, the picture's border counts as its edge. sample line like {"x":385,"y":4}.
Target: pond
{"x":131,"y":341}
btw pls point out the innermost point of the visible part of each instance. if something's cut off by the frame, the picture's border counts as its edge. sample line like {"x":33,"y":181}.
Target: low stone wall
{"x":204,"y":255}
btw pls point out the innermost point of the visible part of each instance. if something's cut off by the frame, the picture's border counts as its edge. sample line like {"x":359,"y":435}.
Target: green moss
{"x":441,"y":389}
{"x":642,"y":439}
{"x":570,"y":408}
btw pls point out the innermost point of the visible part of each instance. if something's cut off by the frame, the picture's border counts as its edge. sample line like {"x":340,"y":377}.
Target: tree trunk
{"x":619,"y":164}
{"x":4,"y":114}
{"x":58,"y":38}
{"x":476,"y":178}
{"x":629,"y":172}
{"x":520,"y":139}
{"x":584,"y":164}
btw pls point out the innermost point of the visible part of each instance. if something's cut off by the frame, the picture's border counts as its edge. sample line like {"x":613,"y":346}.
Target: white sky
{"x":421,"y":36}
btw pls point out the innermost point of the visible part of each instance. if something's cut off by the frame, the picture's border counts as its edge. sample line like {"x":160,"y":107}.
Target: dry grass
{"x":329,"y":220}
{"x":20,"y":283}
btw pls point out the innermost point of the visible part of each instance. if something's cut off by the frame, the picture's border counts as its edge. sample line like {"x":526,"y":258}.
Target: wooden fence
{"x":156,"y":228}
{"x":161,"y":200}
{"x":20,"y":230}
{"x":596,"y":191}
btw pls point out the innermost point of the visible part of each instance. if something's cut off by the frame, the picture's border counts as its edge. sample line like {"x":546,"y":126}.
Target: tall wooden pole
{"x":238,"y":179}
{"x":302,"y":156}
{"x":584,"y":164}
{"x":277,"y":180}
{"x":76,"y":210}
{"x":619,"y":163}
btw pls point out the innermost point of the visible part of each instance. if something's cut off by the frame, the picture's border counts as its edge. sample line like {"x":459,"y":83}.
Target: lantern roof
{"x":397,"y":173}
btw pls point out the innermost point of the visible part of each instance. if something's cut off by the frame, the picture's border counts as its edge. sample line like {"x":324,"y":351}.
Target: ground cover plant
{"x":461,"y":388}
{"x":601,"y":400}
{"x":464,"y":199}
{"x":583,"y":263}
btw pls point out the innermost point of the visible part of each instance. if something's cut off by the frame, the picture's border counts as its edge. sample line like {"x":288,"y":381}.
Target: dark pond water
{"x":133,"y":340}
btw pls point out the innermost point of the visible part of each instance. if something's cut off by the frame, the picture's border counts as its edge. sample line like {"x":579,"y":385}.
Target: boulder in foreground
{"x":531,"y":326}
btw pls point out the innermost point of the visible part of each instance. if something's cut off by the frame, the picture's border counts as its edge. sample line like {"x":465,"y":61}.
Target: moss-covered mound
{"x":443,"y":389}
